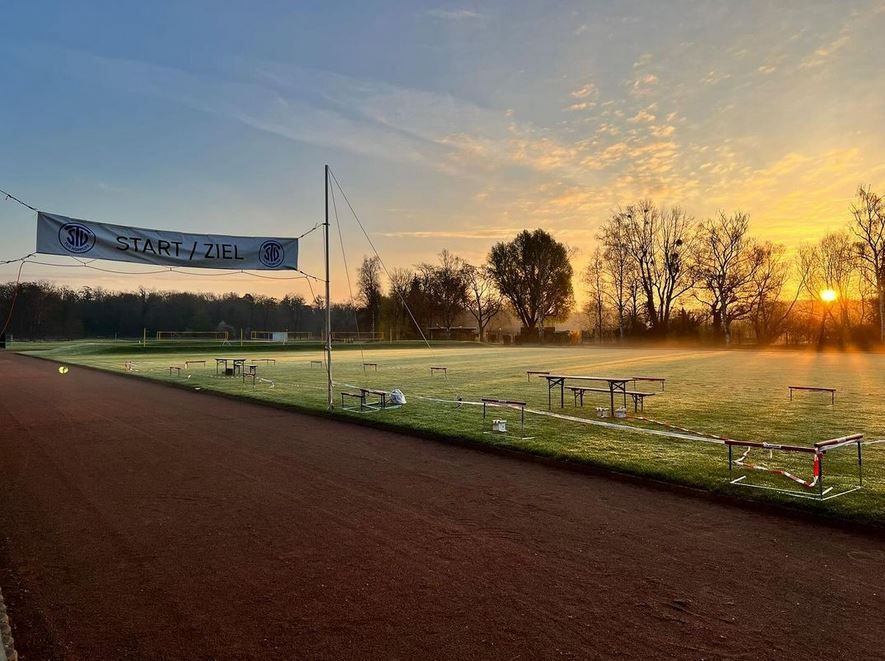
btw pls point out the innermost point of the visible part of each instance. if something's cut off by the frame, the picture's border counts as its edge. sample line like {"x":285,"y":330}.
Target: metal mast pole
{"x":328,"y":301}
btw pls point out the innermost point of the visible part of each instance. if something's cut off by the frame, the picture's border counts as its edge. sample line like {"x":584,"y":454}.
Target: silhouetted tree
{"x":446,"y":284}
{"x":534,"y":273}
{"x":726,"y":260}
{"x":484,"y":300}
{"x":660,"y":244}
{"x":369,"y":288}
{"x":868,"y":226}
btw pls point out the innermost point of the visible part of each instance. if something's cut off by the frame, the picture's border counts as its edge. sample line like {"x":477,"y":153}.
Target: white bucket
{"x":499,"y":425}
{"x":621,"y":413}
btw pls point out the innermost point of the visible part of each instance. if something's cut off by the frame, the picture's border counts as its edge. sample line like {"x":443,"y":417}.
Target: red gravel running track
{"x":139,"y":521}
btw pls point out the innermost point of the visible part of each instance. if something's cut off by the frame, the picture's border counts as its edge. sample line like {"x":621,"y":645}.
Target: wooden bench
{"x":352,"y":395}
{"x":321,"y":363}
{"x":380,"y":394}
{"x":375,"y":365}
{"x":363,"y":397}
{"x":529,"y":373}
{"x":656,"y":379}
{"x":832,"y":391}
{"x":637,"y":396}
{"x":506,"y":403}
{"x":177,"y":369}
{"x":439,"y":368}
{"x":188,"y":363}
{"x":251,"y":372}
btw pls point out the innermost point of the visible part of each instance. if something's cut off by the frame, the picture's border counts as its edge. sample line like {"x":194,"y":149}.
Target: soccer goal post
{"x":192,"y":336}
{"x":356,"y":336}
{"x":281,"y":337}
{"x":827,"y":470}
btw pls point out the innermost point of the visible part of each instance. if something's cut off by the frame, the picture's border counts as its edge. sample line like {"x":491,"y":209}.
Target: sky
{"x":449,"y":125}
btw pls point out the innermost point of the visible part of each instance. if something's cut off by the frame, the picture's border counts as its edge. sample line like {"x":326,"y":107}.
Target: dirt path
{"x":140,"y":521}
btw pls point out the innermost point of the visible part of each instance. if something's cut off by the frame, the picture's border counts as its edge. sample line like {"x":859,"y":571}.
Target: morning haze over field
{"x":451,"y":125}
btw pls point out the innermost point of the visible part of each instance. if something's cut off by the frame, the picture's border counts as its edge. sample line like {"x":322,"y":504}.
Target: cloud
{"x":584,"y":105}
{"x":584,"y":91}
{"x":662,"y":131}
{"x":766,"y":69}
{"x":644,"y":59}
{"x":643,"y":85}
{"x":641,"y":116}
{"x":479,"y":234}
{"x":714,"y":77}
{"x":453,"y":14}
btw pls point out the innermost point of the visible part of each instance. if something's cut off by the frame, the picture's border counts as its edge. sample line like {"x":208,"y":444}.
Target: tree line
{"x":657,"y":268}
{"x":655,"y":273}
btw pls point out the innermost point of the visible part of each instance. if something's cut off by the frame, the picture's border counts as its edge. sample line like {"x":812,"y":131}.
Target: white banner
{"x":60,"y":235}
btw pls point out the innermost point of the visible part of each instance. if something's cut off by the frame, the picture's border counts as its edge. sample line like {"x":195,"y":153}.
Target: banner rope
{"x":347,"y":276}
{"x":10,"y":196}
{"x":18,"y":259}
{"x":18,"y":280}
{"x":166,"y":269}
{"x":380,"y":259}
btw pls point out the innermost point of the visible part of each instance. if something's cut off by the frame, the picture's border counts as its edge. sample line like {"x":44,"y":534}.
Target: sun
{"x":828,"y":295}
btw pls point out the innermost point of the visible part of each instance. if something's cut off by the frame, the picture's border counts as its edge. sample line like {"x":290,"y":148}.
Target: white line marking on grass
{"x":595,"y":423}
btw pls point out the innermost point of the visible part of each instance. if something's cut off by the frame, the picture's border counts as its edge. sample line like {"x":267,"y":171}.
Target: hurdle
{"x":439,"y":368}
{"x":832,"y":391}
{"x":510,"y":404}
{"x":314,"y":363}
{"x":814,"y":488}
{"x":188,"y":363}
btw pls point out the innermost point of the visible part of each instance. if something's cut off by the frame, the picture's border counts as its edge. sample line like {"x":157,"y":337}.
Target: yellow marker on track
{"x":62,"y":370}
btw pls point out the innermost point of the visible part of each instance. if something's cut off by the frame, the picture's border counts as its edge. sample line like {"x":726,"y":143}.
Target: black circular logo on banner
{"x":76,"y":238}
{"x":271,"y":254}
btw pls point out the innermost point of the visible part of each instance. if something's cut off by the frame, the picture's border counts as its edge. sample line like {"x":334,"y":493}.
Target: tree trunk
{"x":726,"y":325}
{"x":881,"y":309}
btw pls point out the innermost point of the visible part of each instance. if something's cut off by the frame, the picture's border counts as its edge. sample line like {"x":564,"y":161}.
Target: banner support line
{"x":328,"y":297}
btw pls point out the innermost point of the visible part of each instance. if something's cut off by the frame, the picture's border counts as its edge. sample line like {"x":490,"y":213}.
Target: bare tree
{"x":831,"y":264}
{"x":868,"y":225}
{"x":534,"y":274}
{"x":400,"y":284}
{"x":369,"y":287}
{"x":594,"y":278}
{"x":446,"y":283}
{"x":726,"y":262}
{"x":769,"y":313}
{"x":484,"y":300}
{"x":621,"y":271}
{"x":660,"y":243}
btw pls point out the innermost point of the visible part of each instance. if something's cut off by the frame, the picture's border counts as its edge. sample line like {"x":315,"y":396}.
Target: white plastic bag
{"x":397,"y":396}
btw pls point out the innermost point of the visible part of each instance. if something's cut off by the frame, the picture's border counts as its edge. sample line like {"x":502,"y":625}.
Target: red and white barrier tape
{"x":742,"y":461}
{"x":780,"y":471}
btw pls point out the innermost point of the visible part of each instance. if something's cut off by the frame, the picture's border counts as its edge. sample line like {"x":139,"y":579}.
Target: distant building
{"x":456,"y":333}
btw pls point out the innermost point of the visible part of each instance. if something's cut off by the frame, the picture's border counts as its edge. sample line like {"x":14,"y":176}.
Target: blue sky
{"x":450,"y":125}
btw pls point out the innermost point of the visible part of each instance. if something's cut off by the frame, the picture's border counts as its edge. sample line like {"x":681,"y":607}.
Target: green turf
{"x":740,"y":394}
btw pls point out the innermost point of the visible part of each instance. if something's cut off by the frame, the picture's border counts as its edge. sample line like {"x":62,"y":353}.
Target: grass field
{"x":739,"y":394}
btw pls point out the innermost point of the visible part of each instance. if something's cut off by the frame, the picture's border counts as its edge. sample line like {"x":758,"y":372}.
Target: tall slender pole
{"x":328,"y":301}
